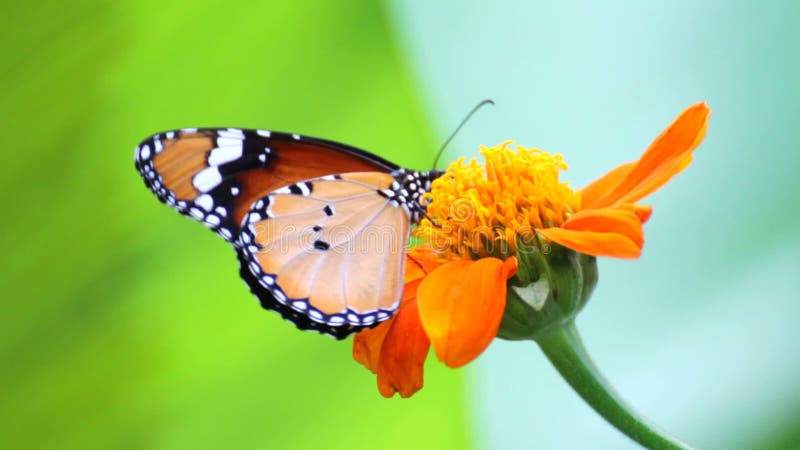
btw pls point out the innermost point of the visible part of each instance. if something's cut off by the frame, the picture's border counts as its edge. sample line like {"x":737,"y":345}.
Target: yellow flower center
{"x":479,"y":210}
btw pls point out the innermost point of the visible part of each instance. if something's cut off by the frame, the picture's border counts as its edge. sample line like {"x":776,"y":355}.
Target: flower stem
{"x":563,"y":346}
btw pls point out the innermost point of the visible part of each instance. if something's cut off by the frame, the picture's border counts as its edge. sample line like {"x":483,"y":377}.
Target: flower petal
{"x":593,"y":243}
{"x":402,"y":356}
{"x":643,"y":212}
{"x":603,"y":185}
{"x":367,"y":345}
{"x":608,"y":220}
{"x":669,"y":153}
{"x":657,"y":179}
{"x":461,"y":304}
{"x":421,"y":261}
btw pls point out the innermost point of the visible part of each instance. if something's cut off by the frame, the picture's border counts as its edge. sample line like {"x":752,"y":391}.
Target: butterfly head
{"x":408,"y":189}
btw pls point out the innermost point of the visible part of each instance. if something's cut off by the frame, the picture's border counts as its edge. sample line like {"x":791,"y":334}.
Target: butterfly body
{"x":320,"y":228}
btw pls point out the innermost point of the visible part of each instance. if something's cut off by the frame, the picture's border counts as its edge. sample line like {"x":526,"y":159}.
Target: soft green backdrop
{"x":125,"y":326}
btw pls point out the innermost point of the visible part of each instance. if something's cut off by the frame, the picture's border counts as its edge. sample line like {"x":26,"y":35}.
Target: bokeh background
{"x":125,"y":326}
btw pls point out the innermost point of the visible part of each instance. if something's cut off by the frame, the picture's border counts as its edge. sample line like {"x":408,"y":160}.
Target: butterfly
{"x":320,"y":228}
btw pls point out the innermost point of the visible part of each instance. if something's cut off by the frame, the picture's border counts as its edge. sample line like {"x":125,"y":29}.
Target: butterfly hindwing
{"x":331,"y":249}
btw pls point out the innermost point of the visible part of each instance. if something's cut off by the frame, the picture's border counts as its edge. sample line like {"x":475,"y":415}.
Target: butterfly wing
{"x":214,"y":175}
{"x":328,"y":253}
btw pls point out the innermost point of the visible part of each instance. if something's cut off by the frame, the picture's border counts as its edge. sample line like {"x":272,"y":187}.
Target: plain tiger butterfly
{"x":320,"y":228}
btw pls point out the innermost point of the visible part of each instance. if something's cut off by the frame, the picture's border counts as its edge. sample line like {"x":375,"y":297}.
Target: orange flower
{"x":456,"y":282}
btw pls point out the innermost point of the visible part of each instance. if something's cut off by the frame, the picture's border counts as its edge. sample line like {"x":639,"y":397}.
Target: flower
{"x":486,"y":221}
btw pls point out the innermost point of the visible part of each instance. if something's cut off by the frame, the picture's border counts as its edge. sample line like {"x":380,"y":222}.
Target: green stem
{"x":563,"y":346}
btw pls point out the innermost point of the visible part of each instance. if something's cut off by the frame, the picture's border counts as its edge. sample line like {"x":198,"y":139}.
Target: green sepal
{"x":552,"y":284}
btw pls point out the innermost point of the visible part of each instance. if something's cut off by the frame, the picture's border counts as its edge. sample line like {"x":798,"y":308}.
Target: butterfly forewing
{"x":216,"y":174}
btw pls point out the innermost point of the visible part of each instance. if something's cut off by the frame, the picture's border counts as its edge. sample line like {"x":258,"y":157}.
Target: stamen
{"x":477,"y":210}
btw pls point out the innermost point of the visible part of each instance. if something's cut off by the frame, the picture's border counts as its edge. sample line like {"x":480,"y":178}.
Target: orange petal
{"x":396,"y":349}
{"x":608,"y":220}
{"x":367,"y":345}
{"x":402,"y":357}
{"x":461,"y":304}
{"x":593,"y":243}
{"x":657,"y":179}
{"x":643,"y":212}
{"x":667,"y":155}
{"x":421,"y":261}
{"x":603,"y":185}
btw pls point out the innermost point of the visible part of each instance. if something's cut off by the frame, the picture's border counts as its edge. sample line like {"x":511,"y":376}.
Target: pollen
{"x":476,"y":210}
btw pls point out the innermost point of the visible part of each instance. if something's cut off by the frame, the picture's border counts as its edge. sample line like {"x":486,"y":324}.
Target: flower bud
{"x":551,"y":286}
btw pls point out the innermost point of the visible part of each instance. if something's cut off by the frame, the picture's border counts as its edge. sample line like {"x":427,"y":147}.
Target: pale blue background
{"x":700,"y":334}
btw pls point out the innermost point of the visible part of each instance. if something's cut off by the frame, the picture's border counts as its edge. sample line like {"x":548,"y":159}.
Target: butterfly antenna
{"x":469,"y":115}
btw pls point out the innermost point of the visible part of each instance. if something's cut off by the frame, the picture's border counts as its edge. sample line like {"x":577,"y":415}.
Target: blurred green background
{"x":126,"y":326}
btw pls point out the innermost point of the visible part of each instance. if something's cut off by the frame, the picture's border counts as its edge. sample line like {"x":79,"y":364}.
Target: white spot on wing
{"x":205,"y":201}
{"x":144,"y":152}
{"x":299,"y":305}
{"x":231,"y":133}
{"x":336,"y":320}
{"x":197,"y":213}
{"x":226,"y":152}
{"x":263,"y":133}
{"x":207,"y":179}
{"x":228,"y":141}
{"x":212,"y":220}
